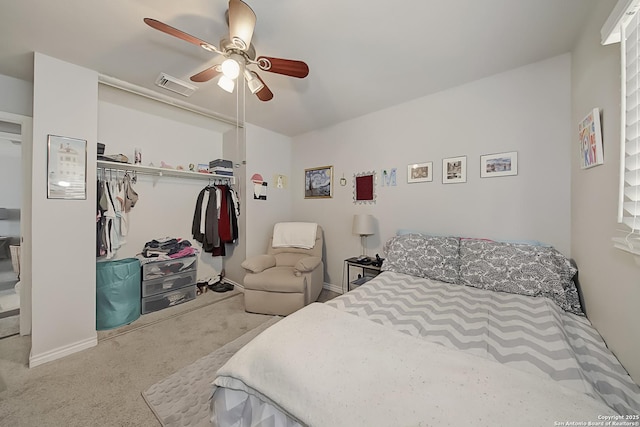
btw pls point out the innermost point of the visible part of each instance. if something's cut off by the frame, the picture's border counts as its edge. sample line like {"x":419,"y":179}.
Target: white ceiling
{"x":363,"y":55}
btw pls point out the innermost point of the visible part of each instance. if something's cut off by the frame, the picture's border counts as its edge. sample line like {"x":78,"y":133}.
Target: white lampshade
{"x":363,"y":225}
{"x":226,"y":83}
{"x":253,"y":81}
{"x":230,"y":68}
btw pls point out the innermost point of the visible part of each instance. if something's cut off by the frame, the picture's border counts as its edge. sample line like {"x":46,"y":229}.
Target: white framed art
{"x":499,"y":164}
{"x":66,"y":168}
{"x":454,"y":170}
{"x":420,"y":172}
{"x":590,"y":137}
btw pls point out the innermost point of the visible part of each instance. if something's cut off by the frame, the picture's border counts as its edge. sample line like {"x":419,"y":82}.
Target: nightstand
{"x":352,"y":268}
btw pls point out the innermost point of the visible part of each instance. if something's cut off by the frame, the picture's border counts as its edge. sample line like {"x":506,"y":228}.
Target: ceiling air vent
{"x":175,"y":85}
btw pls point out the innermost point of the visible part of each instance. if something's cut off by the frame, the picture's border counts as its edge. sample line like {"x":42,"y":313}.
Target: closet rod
{"x":147,"y":93}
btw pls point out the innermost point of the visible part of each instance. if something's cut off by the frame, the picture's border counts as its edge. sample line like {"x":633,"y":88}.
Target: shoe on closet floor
{"x":221,"y":287}
{"x":202,"y":288}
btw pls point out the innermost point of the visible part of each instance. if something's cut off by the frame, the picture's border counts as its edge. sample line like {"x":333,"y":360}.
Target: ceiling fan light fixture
{"x":254,"y":83}
{"x":238,"y":53}
{"x":226,"y":83}
{"x":231,"y":68}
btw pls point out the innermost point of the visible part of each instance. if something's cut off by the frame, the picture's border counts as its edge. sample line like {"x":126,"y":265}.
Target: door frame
{"x":26,"y":136}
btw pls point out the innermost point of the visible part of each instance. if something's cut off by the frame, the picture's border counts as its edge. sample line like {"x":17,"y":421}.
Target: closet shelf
{"x":149,"y":170}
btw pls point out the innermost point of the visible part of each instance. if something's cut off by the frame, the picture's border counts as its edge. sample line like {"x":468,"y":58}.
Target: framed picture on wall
{"x":66,"y":168}
{"x":420,"y":172}
{"x":590,"y":140}
{"x":500,"y":164}
{"x":364,"y":187}
{"x":454,"y":170}
{"x":318,"y":182}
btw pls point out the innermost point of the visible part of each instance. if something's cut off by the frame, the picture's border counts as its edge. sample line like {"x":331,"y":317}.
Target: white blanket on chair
{"x":294,"y":235}
{"x":326,"y":367}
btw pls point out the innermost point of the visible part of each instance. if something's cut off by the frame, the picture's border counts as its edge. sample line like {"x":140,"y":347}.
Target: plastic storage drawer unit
{"x":165,"y":284}
{"x":155,"y":270}
{"x":168,"y":299}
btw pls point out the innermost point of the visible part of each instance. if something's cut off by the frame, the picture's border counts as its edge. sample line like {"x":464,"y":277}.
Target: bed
{"x":454,"y":331}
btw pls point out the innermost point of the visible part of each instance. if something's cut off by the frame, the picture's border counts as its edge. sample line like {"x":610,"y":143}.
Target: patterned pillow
{"x":521,"y":269}
{"x":423,"y":256}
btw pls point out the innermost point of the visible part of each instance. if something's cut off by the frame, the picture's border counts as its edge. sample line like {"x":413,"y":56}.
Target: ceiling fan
{"x":239,"y":53}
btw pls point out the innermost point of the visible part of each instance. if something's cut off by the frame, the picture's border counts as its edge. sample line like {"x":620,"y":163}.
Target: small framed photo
{"x":420,"y":172}
{"x":500,"y":164}
{"x":318,"y":183}
{"x":454,"y":170}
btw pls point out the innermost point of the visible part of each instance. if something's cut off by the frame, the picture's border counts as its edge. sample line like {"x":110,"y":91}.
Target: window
{"x":629,"y":209}
{"x":624,"y":25}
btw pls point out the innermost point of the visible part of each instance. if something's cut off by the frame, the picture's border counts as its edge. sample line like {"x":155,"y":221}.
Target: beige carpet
{"x":102,"y":386}
{"x":182,"y":399}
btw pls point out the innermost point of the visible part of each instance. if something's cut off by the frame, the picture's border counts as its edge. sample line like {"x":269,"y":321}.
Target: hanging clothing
{"x":121,"y":215}
{"x":215,"y":220}
{"x":131,"y":197}
{"x":100,"y":249}
{"x":115,"y":198}
{"x":205,"y":220}
{"x":110,"y":235}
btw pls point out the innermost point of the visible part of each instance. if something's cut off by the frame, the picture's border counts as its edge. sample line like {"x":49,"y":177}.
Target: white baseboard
{"x":333,"y":288}
{"x":238,"y":286}
{"x":51,"y":355}
{"x":327,"y":286}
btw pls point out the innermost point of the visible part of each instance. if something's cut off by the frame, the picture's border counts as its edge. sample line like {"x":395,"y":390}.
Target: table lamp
{"x":364,"y":225}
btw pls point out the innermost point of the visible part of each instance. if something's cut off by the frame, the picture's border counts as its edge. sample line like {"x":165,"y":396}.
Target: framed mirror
{"x":364,"y":187}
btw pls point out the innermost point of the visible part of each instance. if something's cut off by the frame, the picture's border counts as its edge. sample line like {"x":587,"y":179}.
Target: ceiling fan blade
{"x":288,"y":67}
{"x":168,"y":29}
{"x":208,"y":74}
{"x":265,"y":93}
{"x":242,"y":22}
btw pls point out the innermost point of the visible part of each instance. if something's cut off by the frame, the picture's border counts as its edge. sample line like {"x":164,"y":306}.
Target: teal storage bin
{"x":117,"y":293}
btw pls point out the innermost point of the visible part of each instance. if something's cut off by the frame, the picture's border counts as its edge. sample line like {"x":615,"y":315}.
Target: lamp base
{"x":363,"y":244}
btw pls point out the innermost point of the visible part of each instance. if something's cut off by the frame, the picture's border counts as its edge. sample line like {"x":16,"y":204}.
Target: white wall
{"x":268,"y":154}
{"x":255,"y":150}
{"x":65,"y":103}
{"x":610,"y":278}
{"x":234,"y":149}
{"x":166,"y":205}
{"x":17,"y":96}
{"x":525,"y":110}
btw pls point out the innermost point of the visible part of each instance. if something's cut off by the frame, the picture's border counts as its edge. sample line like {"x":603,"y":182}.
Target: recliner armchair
{"x":285,"y":279}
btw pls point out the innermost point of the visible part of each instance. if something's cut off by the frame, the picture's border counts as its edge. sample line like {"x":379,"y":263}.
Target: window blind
{"x":629,"y":206}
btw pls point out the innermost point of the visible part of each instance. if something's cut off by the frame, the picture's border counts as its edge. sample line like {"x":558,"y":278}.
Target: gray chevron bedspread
{"x":530,"y":334}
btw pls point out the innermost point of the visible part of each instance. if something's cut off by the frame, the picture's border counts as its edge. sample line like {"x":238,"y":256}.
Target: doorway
{"x":11,"y":193}
{"x":15,"y":229}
